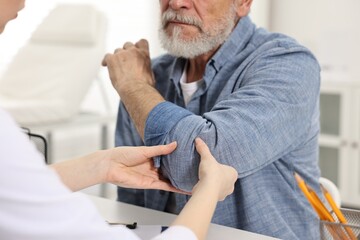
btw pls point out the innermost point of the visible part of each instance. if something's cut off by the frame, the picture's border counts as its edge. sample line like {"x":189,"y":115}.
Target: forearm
{"x":82,"y":172}
{"x":139,"y":100}
{"x":198,"y":212}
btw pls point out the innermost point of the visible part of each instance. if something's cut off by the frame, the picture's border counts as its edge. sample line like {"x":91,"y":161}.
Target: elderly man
{"x":250,"y":94}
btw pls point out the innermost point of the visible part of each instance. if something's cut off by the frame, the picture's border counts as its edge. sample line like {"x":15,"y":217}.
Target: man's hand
{"x":131,"y":75}
{"x":130,"y":66}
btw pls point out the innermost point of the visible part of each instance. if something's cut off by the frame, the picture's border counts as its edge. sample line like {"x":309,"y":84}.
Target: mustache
{"x":171,"y":15}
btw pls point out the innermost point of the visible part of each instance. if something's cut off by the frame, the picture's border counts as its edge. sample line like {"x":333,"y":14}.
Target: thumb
{"x":202,"y":149}
{"x":159,"y":150}
{"x":104,"y":61}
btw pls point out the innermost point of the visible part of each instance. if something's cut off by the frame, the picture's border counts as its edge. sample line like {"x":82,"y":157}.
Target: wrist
{"x":100,"y":165}
{"x":83,"y":172}
{"x":139,"y":100}
{"x":207,"y":188}
{"x":134,"y":88}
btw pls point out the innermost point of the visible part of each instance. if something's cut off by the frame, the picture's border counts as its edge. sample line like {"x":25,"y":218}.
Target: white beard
{"x":207,"y":39}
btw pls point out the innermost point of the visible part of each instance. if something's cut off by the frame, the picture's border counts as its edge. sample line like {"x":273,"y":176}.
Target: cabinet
{"x":339,"y":140}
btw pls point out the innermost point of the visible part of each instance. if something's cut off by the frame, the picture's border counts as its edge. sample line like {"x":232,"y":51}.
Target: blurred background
{"x":328,"y":28}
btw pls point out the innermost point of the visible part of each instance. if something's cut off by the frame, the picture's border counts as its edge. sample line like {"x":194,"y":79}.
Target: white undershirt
{"x":36,"y":205}
{"x":188,"y":89}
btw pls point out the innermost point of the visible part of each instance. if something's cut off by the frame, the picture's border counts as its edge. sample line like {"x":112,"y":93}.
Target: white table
{"x":114,"y":211}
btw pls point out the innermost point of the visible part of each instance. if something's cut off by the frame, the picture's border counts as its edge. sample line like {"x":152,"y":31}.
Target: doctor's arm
{"x":123,"y":166}
{"x":216,"y":182}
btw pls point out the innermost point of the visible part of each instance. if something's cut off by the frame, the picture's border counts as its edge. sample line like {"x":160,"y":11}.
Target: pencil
{"x":328,"y":215}
{"x":337,"y":212}
{"x":319,"y":208}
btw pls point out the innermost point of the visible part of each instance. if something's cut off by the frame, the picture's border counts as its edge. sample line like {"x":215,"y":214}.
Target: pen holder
{"x":340,"y":231}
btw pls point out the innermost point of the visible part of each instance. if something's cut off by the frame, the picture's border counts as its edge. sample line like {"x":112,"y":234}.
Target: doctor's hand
{"x":129,"y":67}
{"x":132,"y":167}
{"x":213,"y":175}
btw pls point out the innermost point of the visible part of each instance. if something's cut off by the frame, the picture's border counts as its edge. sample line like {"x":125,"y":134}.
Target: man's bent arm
{"x":268,"y":117}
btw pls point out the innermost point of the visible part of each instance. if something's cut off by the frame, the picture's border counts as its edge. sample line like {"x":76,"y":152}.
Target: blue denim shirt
{"x":258,"y":111}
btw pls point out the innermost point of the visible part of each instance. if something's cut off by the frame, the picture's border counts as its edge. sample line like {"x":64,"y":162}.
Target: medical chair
{"x":51,"y":74}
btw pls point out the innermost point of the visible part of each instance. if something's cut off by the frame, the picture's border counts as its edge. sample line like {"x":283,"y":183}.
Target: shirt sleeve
{"x":268,"y":116}
{"x":176,"y":233}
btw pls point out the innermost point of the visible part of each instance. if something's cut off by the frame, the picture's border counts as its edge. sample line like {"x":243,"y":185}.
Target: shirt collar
{"x":177,"y":71}
{"x":236,"y":42}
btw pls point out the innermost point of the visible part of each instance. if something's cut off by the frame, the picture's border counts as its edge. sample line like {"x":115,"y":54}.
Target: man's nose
{"x":180,"y":4}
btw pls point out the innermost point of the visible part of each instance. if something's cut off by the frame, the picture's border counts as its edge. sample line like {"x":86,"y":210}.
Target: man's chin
{"x":184,"y":52}
{"x":183,"y":46}
{"x":182,"y":36}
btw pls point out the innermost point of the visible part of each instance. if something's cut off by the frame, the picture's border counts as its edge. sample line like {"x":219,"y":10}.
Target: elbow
{"x":181,"y":172}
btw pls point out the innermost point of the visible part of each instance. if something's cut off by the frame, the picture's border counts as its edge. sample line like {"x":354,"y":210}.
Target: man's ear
{"x":243,"y":7}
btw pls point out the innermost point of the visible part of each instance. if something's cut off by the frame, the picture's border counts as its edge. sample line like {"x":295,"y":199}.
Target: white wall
{"x":260,"y":13}
{"x":329,"y":28}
